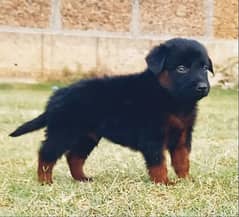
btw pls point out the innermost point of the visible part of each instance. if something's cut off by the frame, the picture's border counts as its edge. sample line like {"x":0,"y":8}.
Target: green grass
{"x":121,"y":185}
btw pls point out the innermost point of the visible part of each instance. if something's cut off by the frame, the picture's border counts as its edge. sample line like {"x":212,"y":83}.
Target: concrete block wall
{"x":42,"y":37}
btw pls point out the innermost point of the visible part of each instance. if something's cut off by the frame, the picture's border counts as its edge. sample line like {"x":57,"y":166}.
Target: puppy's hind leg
{"x":49,"y":152}
{"x":78,"y":154}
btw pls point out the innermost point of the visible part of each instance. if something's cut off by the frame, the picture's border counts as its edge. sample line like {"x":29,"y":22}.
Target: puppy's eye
{"x":181,"y":69}
{"x":205,"y":67}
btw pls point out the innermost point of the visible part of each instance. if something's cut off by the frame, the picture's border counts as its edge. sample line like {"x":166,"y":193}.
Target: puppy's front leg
{"x":158,"y":173}
{"x":180,"y":154}
{"x":156,"y":164}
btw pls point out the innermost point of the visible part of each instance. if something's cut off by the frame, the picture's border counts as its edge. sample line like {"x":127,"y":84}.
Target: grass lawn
{"x":121,"y":185}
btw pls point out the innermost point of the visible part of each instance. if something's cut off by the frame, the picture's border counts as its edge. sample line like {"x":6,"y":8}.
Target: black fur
{"x":131,"y":110}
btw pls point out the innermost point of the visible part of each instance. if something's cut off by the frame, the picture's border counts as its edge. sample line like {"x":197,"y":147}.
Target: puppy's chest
{"x":180,"y":122}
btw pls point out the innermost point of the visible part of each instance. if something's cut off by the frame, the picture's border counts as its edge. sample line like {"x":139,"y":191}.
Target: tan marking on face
{"x":165,"y":80}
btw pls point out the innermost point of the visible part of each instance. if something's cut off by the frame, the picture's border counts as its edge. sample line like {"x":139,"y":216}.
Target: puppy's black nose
{"x":202,"y":87}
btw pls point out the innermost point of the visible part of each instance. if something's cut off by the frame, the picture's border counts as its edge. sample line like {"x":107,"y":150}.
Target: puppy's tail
{"x":35,"y":124}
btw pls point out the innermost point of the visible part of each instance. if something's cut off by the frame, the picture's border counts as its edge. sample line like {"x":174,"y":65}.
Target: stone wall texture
{"x":190,"y":18}
{"x":226,"y":19}
{"x":25,"y":13}
{"x":107,"y":15}
{"x":185,"y":17}
{"x":44,"y":37}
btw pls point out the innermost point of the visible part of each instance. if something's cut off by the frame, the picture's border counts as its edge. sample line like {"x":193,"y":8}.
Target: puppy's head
{"x":181,"y":67}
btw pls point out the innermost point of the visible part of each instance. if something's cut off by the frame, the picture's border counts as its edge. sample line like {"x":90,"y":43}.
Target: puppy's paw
{"x":84,"y":179}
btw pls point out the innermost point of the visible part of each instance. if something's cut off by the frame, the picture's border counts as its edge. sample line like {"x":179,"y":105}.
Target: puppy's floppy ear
{"x":156,"y":58}
{"x":210,"y":68}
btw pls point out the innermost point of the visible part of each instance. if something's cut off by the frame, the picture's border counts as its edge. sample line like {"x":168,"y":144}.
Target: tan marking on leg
{"x":76,"y":167}
{"x":44,"y":171}
{"x":158,"y":174}
{"x":180,"y":162}
{"x":180,"y":157}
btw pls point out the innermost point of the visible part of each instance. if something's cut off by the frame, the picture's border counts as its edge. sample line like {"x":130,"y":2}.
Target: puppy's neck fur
{"x":162,"y":98}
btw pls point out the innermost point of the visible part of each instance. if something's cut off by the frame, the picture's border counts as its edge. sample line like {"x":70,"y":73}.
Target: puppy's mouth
{"x":200,"y":95}
{"x":190,"y":94}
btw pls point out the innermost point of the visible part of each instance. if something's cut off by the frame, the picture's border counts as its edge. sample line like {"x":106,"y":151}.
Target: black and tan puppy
{"x":151,"y":112}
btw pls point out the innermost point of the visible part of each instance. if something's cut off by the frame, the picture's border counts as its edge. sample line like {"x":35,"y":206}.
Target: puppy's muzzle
{"x":202,"y":88}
